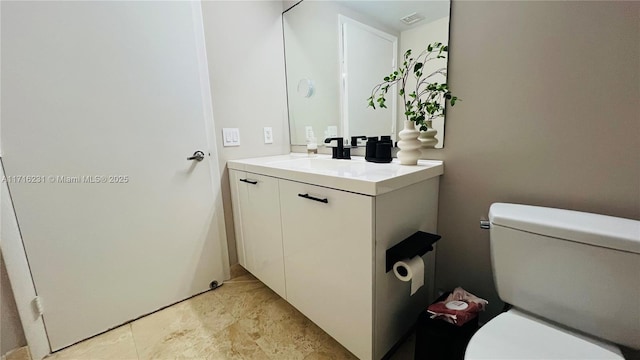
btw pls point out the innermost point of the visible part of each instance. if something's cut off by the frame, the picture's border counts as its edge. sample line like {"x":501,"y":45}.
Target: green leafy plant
{"x":427,"y":101}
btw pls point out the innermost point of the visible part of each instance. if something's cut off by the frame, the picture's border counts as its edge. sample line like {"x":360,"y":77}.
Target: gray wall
{"x":550,"y":116}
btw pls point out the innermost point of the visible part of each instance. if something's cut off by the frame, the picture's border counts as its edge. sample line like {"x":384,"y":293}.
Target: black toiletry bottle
{"x":383,"y":149}
{"x":370,"y":150}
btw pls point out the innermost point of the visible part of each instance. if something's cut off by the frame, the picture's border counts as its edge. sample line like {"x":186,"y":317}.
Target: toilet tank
{"x":577,"y":269}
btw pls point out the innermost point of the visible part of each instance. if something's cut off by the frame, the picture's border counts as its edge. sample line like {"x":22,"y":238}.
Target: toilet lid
{"x":515,"y":335}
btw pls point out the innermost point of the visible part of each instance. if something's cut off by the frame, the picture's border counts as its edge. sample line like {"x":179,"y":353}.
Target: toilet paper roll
{"x":410,"y":270}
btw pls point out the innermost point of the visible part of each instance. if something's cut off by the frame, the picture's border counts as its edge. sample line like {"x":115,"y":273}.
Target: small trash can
{"x":439,"y":340}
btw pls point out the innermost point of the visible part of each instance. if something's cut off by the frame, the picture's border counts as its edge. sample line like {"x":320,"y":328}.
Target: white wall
{"x":417,"y":40}
{"x":246,"y":68}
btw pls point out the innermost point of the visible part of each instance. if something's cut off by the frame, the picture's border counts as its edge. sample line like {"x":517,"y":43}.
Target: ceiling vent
{"x":412,"y":18}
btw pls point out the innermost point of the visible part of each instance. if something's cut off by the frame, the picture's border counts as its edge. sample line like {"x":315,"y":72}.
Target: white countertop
{"x":355,"y":175}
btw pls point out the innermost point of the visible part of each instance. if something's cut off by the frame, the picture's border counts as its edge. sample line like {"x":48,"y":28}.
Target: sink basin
{"x":355,"y":175}
{"x":324,"y":165}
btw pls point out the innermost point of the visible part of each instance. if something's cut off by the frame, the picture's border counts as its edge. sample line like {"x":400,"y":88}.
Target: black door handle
{"x":252,"y":182}
{"x":307,"y":196}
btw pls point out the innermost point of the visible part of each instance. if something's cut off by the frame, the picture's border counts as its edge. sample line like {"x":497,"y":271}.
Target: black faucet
{"x":339,"y":152}
{"x":354,"y":140}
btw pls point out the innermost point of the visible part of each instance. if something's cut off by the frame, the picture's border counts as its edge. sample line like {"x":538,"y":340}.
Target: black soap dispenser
{"x":370,"y":150}
{"x":383,"y":149}
{"x":378,"y":150}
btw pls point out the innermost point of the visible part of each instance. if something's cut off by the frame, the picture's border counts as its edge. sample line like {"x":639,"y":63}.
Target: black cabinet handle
{"x":252,"y":182}
{"x":307,"y":196}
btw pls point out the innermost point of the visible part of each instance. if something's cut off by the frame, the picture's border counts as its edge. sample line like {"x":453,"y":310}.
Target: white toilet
{"x":573,"y":280}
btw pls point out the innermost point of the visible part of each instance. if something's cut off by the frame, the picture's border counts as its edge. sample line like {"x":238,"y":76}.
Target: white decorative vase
{"x":428,"y":138}
{"x":409,"y":145}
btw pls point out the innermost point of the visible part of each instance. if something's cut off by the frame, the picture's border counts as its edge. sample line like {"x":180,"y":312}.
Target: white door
{"x":367,"y":55}
{"x":102,"y":103}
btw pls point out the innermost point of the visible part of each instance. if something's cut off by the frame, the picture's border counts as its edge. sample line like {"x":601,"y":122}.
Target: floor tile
{"x":275,"y":329}
{"x":234,"y":343}
{"x":242,"y":278}
{"x":243,"y":298}
{"x":184,"y":330}
{"x":237,"y":270}
{"x":284,"y":333}
{"x":242,"y":319}
{"x":240,"y":274}
{"x":327,"y":348}
{"x":115,"y":344}
{"x":19,"y":354}
{"x":330,"y":350}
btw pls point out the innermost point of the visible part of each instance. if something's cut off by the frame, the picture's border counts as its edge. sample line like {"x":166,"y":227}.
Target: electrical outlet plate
{"x":230,"y":137}
{"x":268,"y":135}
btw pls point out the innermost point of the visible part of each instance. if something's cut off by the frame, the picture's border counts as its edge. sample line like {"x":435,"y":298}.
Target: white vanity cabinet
{"x":316,"y":231}
{"x":256,"y":211}
{"x":328,"y":252}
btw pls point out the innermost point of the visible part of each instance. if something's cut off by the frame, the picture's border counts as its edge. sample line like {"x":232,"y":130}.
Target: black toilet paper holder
{"x":417,"y":244}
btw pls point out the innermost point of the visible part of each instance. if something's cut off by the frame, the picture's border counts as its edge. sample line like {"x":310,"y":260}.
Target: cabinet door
{"x":256,"y":211}
{"x":328,"y":253}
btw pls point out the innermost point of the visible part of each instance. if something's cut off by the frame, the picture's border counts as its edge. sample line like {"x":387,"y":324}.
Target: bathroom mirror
{"x":345,"y":48}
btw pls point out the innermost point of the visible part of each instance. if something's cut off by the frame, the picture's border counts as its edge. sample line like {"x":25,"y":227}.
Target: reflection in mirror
{"x":365,"y":50}
{"x":305,"y":88}
{"x":341,"y":49}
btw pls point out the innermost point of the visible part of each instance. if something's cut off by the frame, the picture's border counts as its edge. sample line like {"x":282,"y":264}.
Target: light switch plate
{"x":230,"y":137}
{"x":268,"y":135}
{"x":308,"y":130}
{"x":332,"y":130}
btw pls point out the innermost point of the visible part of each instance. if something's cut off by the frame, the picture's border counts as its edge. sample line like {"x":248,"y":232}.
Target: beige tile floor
{"x":243,"y":319}
{"x":19,"y":354}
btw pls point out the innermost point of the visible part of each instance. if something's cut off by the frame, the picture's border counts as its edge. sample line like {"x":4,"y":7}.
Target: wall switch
{"x":268,"y":135}
{"x":230,"y":137}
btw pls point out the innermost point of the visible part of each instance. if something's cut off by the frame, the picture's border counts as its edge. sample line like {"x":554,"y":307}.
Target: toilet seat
{"x":516,"y":335}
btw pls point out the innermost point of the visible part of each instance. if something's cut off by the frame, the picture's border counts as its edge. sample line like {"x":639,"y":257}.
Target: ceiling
{"x":389,"y":13}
